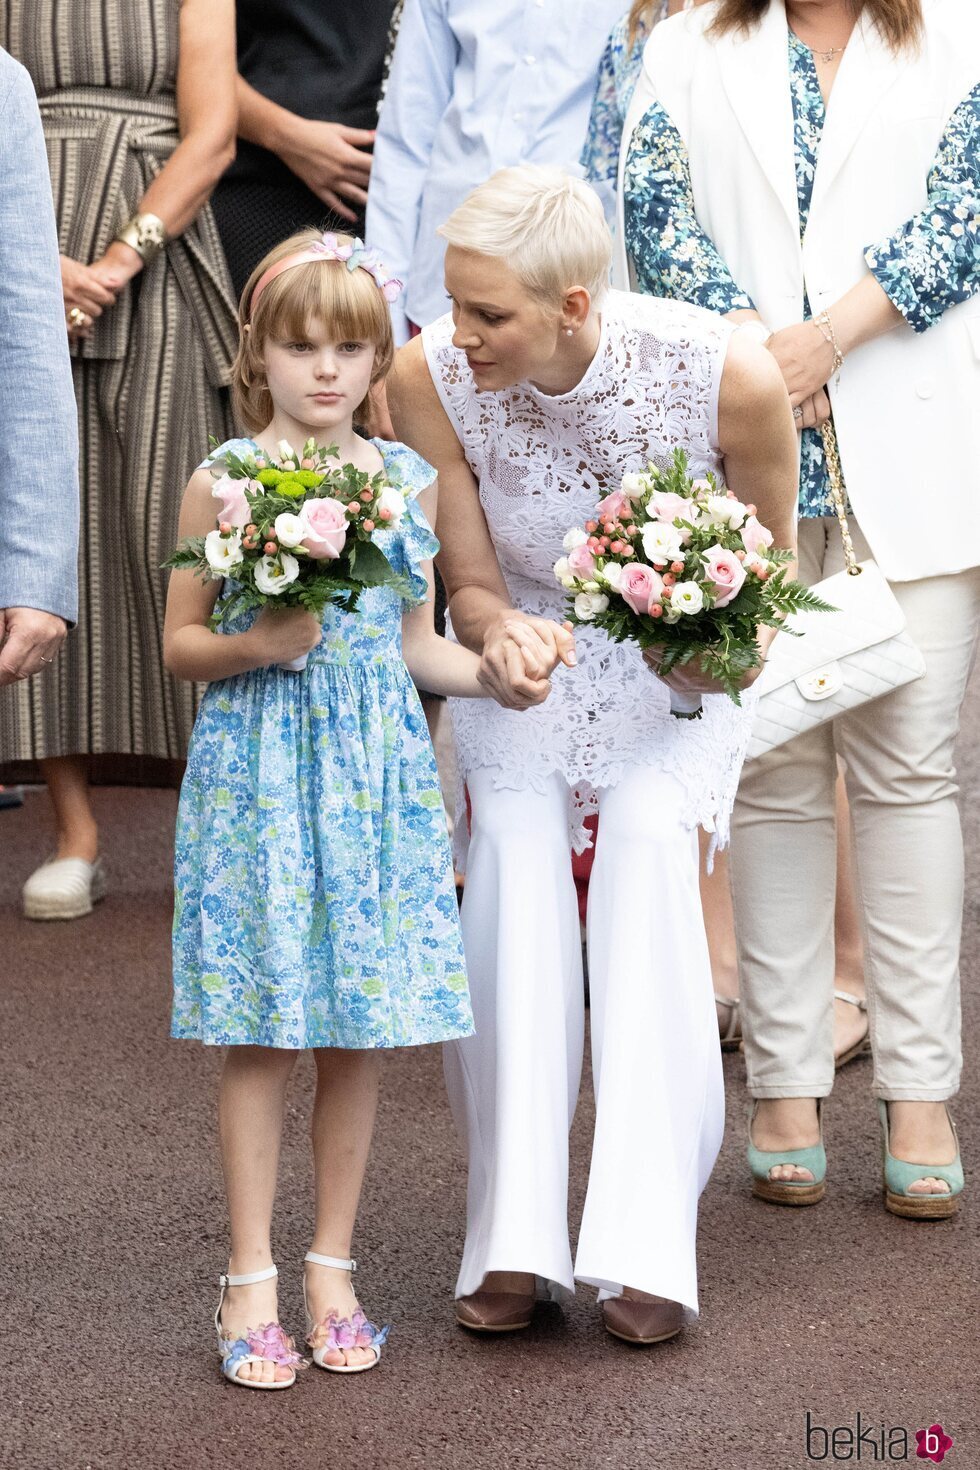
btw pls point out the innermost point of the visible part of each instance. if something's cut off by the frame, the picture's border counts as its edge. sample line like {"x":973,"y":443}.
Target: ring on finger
{"x":77,"y":317}
{"x":798,"y":413}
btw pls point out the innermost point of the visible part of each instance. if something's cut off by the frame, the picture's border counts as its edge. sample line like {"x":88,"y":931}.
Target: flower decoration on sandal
{"x":269,"y":1342}
{"x":347,"y":1332}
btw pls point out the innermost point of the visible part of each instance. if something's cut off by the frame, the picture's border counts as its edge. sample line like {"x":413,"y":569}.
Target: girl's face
{"x":318,"y":381}
{"x":506,"y":333}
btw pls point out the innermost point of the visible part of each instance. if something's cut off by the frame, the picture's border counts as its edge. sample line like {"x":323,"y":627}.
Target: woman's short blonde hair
{"x":348,"y":303}
{"x":547,"y":225}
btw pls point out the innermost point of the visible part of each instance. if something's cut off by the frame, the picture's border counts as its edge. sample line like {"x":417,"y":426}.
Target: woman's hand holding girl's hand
{"x":83,"y":290}
{"x":806,"y":361}
{"x":281,"y":634}
{"x":519,"y":655}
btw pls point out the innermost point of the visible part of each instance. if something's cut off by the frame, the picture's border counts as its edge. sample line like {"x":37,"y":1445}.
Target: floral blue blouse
{"x":928,"y":265}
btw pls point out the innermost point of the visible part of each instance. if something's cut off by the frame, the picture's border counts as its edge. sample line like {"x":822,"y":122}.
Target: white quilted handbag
{"x":845,"y":658}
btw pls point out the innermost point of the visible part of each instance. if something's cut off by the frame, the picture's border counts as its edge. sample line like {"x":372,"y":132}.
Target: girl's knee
{"x":266,"y":1059}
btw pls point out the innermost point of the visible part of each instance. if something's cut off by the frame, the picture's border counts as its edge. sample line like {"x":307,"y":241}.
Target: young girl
{"x":315,"y":905}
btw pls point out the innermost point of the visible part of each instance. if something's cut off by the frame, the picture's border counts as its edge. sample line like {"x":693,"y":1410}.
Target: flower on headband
{"x":359,"y":256}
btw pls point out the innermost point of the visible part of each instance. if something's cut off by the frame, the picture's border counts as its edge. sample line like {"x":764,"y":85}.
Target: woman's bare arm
{"x":478,"y":599}
{"x":208,"y":118}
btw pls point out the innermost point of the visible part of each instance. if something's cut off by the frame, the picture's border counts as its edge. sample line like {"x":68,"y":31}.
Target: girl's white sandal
{"x":259,"y":1344}
{"x":342,"y":1333}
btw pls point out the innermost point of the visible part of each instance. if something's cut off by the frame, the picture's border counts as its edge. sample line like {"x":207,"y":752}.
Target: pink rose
{"x":640,"y":587}
{"x":725,"y":573}
{"x":234,"y":507}
{"x":582,"y":562}
{"x":614,"y":507}
{"x":667,"y":506}
{"x":326,"y":528}
{"x":755,"y":535}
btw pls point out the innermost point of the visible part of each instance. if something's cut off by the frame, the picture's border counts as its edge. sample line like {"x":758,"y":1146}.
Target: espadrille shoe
{"x":64,"y":888}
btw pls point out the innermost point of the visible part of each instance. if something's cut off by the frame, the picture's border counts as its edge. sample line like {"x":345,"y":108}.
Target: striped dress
{"x":149,"y":382}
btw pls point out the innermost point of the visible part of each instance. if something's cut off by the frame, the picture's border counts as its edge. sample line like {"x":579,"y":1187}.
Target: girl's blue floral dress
{"x":928,"y":265}
{"x":315,"y":903}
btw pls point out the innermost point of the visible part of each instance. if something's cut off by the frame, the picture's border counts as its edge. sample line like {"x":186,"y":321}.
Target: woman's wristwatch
{"x":145,"y":233}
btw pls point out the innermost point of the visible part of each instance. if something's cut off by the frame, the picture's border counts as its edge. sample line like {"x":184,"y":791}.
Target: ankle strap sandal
{"x":259,"y":1344}
{"x":333,"y":1333}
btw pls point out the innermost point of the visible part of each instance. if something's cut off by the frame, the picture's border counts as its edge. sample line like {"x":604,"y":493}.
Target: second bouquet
{"x":296,"y":531}
{"x":680,"y":565}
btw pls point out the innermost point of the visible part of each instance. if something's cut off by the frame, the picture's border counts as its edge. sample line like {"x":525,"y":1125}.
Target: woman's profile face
{"x":507,"y":335}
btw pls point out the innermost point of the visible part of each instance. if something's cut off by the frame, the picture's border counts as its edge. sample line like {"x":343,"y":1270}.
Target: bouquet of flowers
{"x":295,"y":532}
{"x":682,"y":566}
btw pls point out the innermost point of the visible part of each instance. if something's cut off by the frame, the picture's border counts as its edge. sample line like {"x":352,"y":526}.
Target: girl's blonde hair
{"x":348,"y":303}
{"x":548,"y":226}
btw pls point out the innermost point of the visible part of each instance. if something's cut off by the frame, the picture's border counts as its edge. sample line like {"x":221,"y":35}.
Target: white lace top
{"x":542,"y":462}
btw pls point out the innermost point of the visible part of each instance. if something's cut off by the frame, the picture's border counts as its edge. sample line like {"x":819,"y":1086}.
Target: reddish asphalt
{"x":113,"y":1235}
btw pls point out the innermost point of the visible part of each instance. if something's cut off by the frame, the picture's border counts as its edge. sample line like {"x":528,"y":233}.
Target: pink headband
{"x":356,"y":254}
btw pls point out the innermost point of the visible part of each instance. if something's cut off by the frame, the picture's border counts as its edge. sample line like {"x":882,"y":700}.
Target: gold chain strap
{"x":829,"y":435}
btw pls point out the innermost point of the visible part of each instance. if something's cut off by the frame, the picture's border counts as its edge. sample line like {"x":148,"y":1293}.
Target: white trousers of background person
{"x":908,"y":852}
{"x":656,"y":1059}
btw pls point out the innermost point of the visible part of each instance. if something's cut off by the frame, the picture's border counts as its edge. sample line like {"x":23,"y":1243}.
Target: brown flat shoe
{"x":642,"y":1322}
{"x":495,"y":1311}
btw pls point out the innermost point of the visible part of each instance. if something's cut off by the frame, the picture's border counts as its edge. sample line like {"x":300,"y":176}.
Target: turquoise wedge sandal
{"x":899,"y":1175}
{"x":784,"y":1191}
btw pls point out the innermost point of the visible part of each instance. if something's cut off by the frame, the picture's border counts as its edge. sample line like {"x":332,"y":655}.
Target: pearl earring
{"x":569,"y":332}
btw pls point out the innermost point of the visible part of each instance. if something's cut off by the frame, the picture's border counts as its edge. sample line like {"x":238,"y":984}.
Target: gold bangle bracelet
{"x":145,"y":233}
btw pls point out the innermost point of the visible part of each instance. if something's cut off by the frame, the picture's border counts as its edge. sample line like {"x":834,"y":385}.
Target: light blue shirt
{"x":38,"y":424}
{"x":475,"y":85}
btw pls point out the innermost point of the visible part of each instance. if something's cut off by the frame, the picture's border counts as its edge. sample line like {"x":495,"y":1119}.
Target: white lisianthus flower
{"x":273,"y":582}
{"x":223,"y":552}
{"x":589,"y":605}
{"x":290,"y":529}
{"x":633,"y":485}
{"x":687,"y":597}
{"x":662,"y":543}
{"x":575,"y":537}
{"x":562,"y":569}
{"x":612,"y":575}
{"x":720,"y":510}
{"x":393,"y":501}
{"x":286,"y":451}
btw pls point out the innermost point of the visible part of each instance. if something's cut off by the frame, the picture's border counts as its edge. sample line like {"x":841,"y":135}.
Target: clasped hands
{"x":806,"y":361}
{"x":520,"y":653}
{"x":89,"y":290}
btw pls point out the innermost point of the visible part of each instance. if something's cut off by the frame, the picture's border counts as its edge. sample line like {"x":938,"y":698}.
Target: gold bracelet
{"x":146,"y":233}
{"x":826,"y":328}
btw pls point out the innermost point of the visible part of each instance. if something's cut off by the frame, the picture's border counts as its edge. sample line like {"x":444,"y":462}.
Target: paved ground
{"x":113,"y":1235}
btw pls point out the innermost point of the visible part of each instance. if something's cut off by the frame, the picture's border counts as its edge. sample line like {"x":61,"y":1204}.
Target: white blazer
{"x":908,"y":406}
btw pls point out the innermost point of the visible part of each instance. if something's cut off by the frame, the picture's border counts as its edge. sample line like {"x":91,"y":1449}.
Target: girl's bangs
{"x":322,"y":291}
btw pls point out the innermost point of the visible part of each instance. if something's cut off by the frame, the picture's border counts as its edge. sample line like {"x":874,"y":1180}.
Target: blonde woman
{"x":809,"y":167}
{"x":532,"y":398}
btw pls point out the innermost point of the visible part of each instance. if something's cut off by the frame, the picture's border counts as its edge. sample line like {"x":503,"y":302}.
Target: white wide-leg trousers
{"x":656,"y":1059}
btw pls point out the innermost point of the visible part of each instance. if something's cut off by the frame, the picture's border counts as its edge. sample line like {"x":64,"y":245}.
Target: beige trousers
{"x":901,"y":786}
